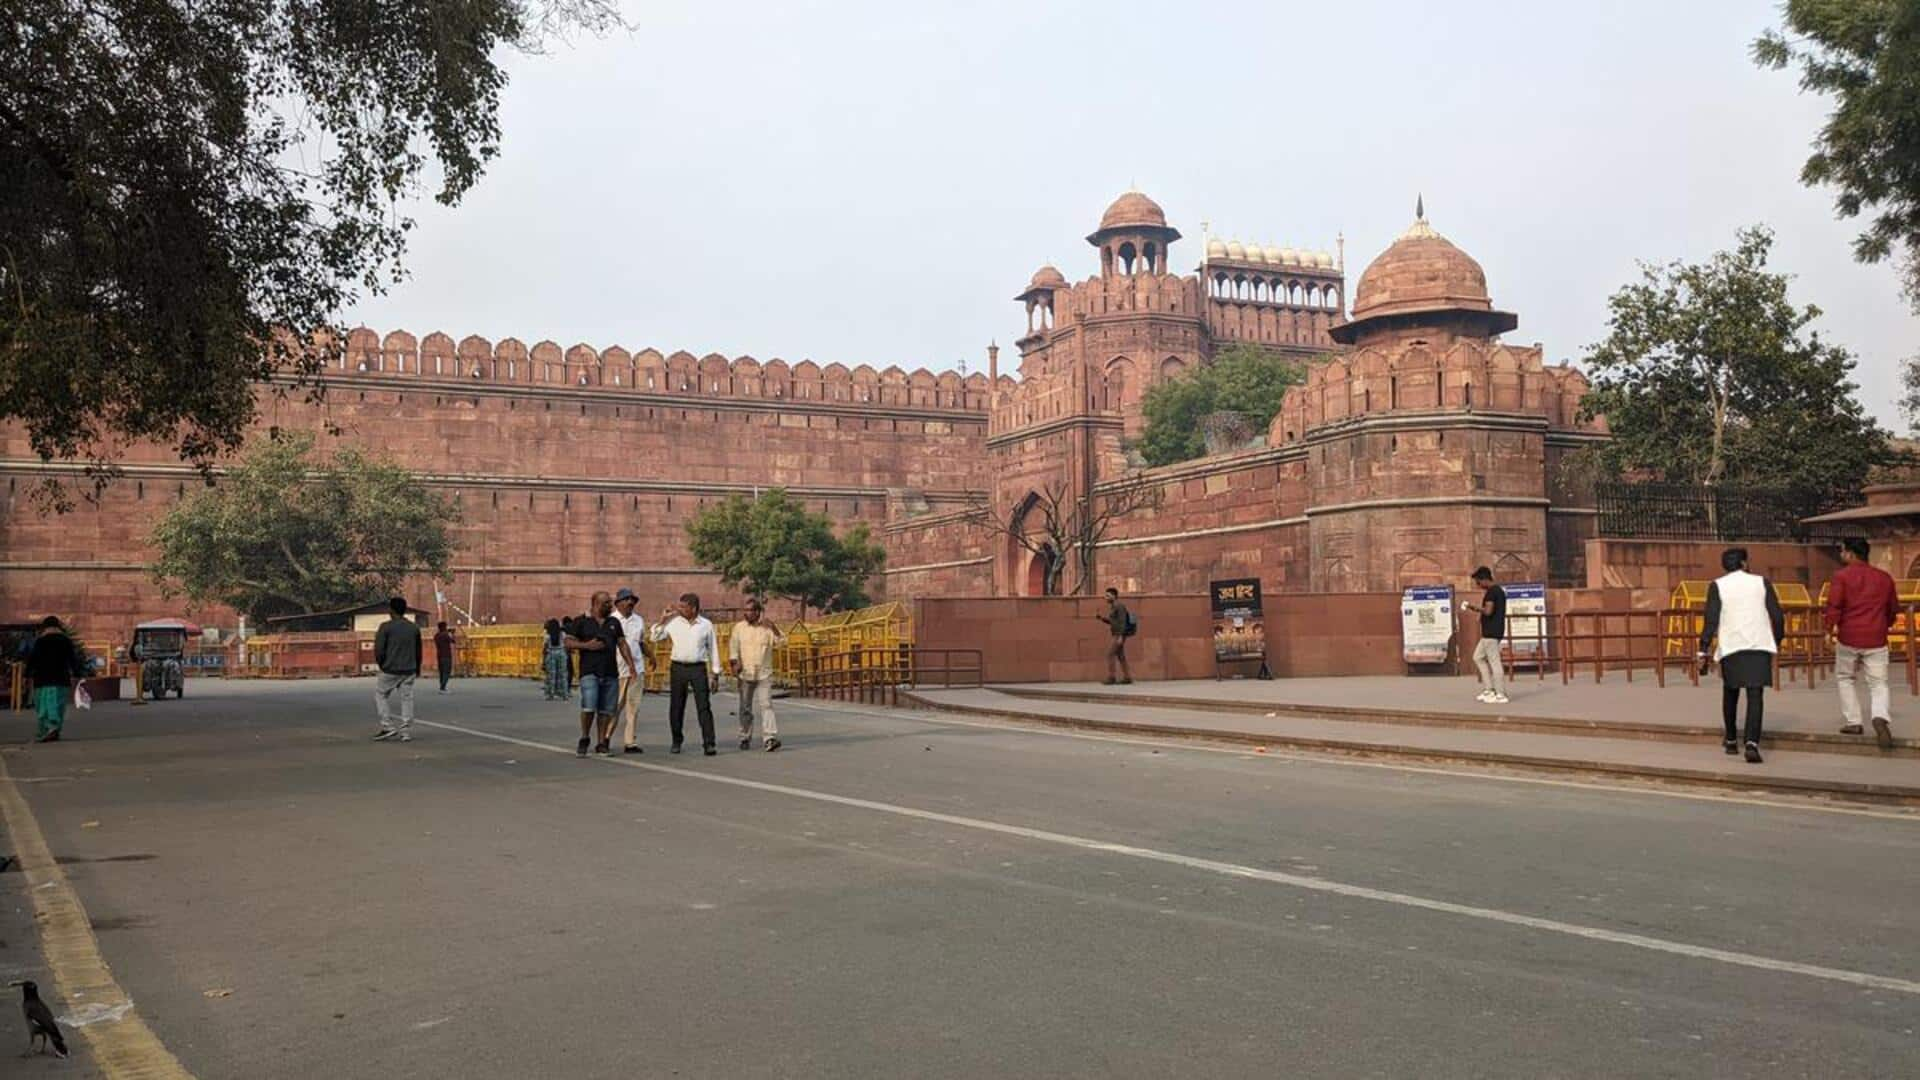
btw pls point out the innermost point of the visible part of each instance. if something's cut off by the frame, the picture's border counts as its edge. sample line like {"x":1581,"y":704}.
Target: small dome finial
{"x":1420,"y":207}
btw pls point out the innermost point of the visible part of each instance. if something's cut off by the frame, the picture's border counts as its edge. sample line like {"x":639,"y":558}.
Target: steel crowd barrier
{"x":876,"y":675}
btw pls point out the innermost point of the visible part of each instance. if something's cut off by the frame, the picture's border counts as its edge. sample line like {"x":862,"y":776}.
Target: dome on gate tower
{"x":1131,"y":211}
{"x":1422,"y":272}
{"x":1047,"y":278}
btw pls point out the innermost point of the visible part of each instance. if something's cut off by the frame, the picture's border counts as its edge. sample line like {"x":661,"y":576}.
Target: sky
{"x":872,"y":182}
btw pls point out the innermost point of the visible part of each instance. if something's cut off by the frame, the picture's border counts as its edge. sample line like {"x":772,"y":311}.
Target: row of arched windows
{"x":1264,"y":290}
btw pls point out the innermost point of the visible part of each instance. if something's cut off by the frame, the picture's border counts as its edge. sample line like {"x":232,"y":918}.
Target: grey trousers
{"x":384,"y":688}
{"x":1847,"y":661}
{"x":1486,"y":657}
{"x":756,"y":699}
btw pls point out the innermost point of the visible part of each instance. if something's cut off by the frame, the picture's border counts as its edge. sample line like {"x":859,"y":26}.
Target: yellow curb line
{"x":124,"y":1048}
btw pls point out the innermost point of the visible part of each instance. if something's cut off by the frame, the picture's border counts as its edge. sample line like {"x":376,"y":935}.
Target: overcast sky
{"x":871,"y":182}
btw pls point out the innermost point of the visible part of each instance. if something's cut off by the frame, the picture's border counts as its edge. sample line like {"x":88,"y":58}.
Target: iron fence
{"x":1646,"y":511}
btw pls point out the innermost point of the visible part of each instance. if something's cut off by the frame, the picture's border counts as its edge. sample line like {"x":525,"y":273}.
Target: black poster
{"x":1238,"y":630}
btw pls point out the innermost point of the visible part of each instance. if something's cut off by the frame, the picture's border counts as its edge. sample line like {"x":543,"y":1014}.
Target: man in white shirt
{"x":694,"y":660}
{"x":750,"y":656}
{"x":633,"y":676}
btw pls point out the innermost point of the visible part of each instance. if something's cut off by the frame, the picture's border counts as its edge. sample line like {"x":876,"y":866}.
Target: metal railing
{"x":1654,"y":639}
{"x":1653,"y":511}
{"x":875,"y":675}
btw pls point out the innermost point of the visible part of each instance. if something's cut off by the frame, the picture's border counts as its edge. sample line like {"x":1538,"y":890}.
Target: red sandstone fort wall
{"x":562,"y":489}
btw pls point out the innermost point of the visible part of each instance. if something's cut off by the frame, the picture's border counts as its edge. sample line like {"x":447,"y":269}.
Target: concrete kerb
{"x":1749,"y":780}
{"x":1821,"y":742}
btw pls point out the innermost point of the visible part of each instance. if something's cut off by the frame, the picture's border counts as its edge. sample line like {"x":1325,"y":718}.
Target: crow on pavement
{"x":40,"y":1023}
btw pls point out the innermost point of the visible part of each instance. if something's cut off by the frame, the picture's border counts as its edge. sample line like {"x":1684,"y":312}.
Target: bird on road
{"x":40,"y":1024}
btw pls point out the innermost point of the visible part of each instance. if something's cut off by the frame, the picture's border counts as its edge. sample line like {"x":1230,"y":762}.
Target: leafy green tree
{"x":773,"y":546}
{"x":1241,"y":378}
{"x":191,"y":191}
{"x":1710,"y":376}
{"x":1866,"y":55}
{"x":283,"y":533}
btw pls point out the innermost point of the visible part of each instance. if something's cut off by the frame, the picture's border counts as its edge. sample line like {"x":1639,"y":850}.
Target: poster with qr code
{"x":1426,"y":623}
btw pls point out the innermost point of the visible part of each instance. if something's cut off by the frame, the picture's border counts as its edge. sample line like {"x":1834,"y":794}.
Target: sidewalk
{"x":1796,"y":716}
{"x":1614,"y":727}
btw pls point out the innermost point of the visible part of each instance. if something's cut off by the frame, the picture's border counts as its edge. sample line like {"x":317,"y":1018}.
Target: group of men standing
{"x":612,"y":668}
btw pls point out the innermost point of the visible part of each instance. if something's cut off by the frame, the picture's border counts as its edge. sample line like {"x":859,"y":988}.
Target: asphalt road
{"x":901,"y":895}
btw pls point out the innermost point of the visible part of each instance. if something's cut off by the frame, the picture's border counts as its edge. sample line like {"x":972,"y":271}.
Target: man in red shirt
{"x":1862,"y":603}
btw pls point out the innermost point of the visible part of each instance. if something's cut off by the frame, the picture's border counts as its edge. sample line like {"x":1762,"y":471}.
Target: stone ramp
{"x":1891,"y":778}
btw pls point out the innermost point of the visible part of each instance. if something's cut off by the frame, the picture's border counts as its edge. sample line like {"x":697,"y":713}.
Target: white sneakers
{"x":1488,"y":697}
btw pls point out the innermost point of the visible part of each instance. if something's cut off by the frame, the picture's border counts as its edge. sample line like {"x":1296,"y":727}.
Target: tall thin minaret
{"x":993,"y":363}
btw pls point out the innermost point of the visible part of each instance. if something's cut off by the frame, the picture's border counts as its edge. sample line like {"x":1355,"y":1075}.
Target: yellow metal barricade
{"x":1801,"y":642}
{"x":507,"y":650}
{"x":1686,"y":614}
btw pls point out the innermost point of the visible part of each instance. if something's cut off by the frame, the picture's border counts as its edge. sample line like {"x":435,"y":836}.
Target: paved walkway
{"x":1615,"y":702}
{"x":1637,"y":730}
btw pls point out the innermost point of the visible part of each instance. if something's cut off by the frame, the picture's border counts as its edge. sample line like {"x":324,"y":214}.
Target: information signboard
{"x":1527,"y":619}
{"x":1426,"y":623}
{"x":1239,"y":631}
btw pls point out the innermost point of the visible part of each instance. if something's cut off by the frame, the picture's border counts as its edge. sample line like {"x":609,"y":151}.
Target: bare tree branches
{"x":1061,"y":527}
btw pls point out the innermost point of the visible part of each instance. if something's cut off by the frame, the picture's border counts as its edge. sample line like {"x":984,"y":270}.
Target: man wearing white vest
{"x":1743,"y":628}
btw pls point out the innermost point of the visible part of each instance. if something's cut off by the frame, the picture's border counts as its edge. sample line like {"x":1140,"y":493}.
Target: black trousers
{"x":1730,"y":708}
{"x":681,"y":679}
{"x":446,"y":672}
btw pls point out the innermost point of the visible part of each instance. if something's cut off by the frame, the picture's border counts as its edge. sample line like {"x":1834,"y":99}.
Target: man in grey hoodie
{"x":396,"y":649}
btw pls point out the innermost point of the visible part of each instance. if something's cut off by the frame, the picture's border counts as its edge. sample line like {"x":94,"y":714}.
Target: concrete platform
{"x":1796,"y":716}
{"x":1612,"y":728}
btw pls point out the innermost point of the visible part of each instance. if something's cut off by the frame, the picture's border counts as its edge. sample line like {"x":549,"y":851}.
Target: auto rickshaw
{"x":158,"y":647}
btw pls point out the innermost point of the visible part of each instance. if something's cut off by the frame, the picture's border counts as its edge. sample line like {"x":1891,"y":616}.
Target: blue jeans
{"x":600,"y":694}
{"x":556,"y":671}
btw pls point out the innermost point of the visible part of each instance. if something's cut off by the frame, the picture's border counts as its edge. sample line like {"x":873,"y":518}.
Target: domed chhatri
{"x":1045,"y":280}
{"x":1134,"y":216}
{"x":1132,"y":211}
{"x":1422,"y":273}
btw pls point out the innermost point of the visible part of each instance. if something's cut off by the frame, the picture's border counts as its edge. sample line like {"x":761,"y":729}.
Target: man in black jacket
{"x":396,"y":649}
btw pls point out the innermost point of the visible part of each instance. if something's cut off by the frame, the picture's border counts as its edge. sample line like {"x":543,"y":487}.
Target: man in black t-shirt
{"x":601,"y":643}
{"x":1493,"y":627}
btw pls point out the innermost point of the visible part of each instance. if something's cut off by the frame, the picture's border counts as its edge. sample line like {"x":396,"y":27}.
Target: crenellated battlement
{"x":1468,"y":376}
{"x":510,"y":362}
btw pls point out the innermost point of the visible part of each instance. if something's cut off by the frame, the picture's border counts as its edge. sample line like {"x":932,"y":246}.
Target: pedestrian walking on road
{"x":397,"y":652}
{"x":601,"y":644}
{"x":750,"y":657}
{"x":1121,"y":625}
{"x":1743,"y":628}
{"x":443,"y":654}
{"x":52,"y":663}
{"x":1862,"y":603}
{"x":693,"y":661}
{"x":554,"y":663}
{"x":1493,"y":629}
{"x":633,"y":673}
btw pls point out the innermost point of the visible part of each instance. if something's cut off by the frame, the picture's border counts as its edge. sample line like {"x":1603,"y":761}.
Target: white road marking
{"x":1252,"y":873}
{"x":1174,"y":742}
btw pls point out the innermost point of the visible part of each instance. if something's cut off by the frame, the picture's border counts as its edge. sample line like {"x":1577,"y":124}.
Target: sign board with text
{"x":1527,"y":619}
{"x":1239,"y":629}
{"x":1426,"y":623}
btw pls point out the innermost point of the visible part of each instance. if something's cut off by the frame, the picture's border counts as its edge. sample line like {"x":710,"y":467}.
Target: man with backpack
{"x":1122,"y":625}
